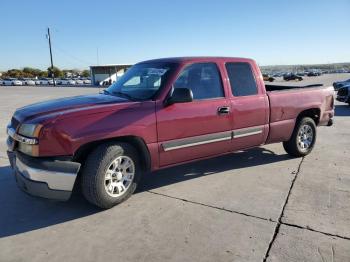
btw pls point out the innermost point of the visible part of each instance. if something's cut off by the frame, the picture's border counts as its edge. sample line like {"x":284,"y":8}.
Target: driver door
{"x":197,"y":129}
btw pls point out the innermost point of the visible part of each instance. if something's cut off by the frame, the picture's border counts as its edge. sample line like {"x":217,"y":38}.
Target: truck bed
{"x":287,"y":102}
{"x":271,"y":88}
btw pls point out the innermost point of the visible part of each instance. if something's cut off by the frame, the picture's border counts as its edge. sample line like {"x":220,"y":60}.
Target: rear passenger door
{"x":196,"y":129}
{"x":249,"y":106}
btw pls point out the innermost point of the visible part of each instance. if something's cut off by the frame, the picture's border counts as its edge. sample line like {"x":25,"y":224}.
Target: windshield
{"x":141,"y":81}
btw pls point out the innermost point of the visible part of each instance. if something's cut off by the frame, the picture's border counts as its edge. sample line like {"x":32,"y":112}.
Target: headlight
{"x":20,"y":138}
{"x":29,"y":130}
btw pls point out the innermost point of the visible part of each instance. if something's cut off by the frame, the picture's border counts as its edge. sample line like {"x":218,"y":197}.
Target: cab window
{"x":242,"y":80}
{"x":203,"y":79}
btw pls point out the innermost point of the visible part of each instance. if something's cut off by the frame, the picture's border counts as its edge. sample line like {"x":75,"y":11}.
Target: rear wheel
{"x":303,"y":138}
{"x":111,"y":174}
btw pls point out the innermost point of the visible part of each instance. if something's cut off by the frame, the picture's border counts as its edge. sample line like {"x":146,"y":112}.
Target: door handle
{"x":223,"y":110}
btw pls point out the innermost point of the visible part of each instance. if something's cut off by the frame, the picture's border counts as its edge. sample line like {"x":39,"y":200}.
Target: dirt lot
{"x":246,"y":206}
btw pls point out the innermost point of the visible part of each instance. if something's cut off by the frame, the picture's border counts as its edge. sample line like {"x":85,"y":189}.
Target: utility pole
{"x":52,"y":73}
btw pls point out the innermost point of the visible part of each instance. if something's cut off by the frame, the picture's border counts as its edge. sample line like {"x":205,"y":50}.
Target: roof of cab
{"x":194,"y":59}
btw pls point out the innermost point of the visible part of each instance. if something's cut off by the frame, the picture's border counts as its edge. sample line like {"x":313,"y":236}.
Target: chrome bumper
{"x":44,"y":178}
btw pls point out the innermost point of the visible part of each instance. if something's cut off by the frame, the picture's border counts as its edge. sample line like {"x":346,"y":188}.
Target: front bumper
{"x":47,"y":178}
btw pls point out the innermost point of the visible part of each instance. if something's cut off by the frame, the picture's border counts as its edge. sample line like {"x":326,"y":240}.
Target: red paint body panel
{"x":285,"y":106}
{"x":189,"y":120}
{"x":72,"y":123}
{"x":77,"y":128}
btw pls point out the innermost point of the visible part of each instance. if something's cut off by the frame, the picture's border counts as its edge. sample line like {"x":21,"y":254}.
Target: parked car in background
{"x":87,"y":81}
{"x":339,"y":84}
{"x":1,"y":82}
{"x":78,"y":81}
{"x":12,"y":82}
{"x":47,"y":81}
{"x":44,"y":81}
{"x":314,"y":73}
{"x":269,"y":78}
{"x":67,"y":81}
{"x":343,"y":94}
{"x":27,"y":81}
{"x":292,"y":76}
{"x":160,"y":113}
{"x":71,"y":82}
{"x":37,"y":82}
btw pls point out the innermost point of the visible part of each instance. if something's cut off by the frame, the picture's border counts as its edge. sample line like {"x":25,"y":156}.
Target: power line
{"x":67,"y":54}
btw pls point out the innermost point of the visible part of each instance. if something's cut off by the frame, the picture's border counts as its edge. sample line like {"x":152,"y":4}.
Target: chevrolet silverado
{"x":160,"y":113}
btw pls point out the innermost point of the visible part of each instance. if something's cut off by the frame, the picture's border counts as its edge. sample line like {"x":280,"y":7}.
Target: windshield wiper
{"x":121,"y":94}
{"x":104,"y":91}
{"x":117,"y":93}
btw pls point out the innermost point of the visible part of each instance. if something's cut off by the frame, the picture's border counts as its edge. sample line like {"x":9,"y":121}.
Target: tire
{"x":294,"y":147}
{"x":94,"y":184}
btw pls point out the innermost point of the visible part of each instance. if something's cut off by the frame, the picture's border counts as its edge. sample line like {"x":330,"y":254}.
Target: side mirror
{"x":180,"y":95}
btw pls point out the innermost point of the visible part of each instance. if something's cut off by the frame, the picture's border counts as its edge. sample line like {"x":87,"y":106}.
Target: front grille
{"x":14,"y":123}
{"x":343,"y":92}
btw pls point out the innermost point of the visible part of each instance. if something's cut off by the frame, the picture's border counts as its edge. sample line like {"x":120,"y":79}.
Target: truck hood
{"x":64,"y":104}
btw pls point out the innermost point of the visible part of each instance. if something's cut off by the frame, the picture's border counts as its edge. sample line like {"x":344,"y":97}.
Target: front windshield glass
{"x":141,"y":81}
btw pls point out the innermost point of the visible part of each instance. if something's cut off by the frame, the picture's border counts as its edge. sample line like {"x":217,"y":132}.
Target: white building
{"x":107,"y":73}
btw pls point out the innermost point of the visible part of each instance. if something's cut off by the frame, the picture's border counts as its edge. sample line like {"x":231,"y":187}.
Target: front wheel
{"x":111,"y":174}
{"x":303,"y":138}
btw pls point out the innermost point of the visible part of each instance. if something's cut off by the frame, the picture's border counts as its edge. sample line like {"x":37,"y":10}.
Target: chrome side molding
{"x":211,"y":138}
{"x":247,"y":132}
{"x":197,"y":140}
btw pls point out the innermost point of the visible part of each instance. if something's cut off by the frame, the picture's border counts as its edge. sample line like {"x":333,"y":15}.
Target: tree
{"x":14,"y":73}
{"x":57,"y":72}
{"x":86,"y":73}
{"x":43,"y":74}
{"x":31,"y":72}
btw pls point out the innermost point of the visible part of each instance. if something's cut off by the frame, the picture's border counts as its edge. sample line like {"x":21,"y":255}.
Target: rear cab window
{"x":242,"y":80}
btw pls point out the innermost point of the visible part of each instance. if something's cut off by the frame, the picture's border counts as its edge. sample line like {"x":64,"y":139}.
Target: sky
{"x":84,"y":33}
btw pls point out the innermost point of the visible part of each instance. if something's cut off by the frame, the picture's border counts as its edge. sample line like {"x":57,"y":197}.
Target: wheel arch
{"x":313,"y":113}
{"x":83,"y":151}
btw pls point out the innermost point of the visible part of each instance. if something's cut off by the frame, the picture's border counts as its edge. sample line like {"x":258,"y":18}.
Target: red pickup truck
{"x":160,"y":113}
